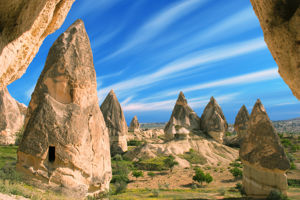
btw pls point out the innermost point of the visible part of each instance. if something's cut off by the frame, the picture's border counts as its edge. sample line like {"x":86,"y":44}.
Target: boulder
{"x":24,"y":24}
{"x":213,"y":121}
{"x":12,"y":114}
{"x":116,"y":123}
{"x":182,"y":121}
{"x":279,"y":20}
{"x":241,"y":122}
{"x":134,"y":125}
{"x":263,"y":156}
{"x":65,"y":146}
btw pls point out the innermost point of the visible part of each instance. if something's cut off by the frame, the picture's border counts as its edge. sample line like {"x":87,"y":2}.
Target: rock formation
{"x":182,"y":121}
{"x":241,"y":122}
{"x":134,"y":125}
{"x":263,"y":156}
{"x":12,"y":114}
{"x":24,"y":24}
{"x":65,"y":144}
{"x":115,"y":122}
{"x":213,"y":121}
{"x":279,"y":20}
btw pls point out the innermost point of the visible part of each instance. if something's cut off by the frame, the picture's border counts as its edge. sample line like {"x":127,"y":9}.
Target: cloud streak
{"x":196,"y":59}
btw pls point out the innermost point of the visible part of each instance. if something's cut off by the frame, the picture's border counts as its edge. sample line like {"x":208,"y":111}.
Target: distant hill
{"x":287,"y":126}
{"x":282,"y":126}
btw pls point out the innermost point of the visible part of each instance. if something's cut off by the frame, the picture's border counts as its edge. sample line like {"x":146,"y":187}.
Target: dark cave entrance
{"x":51,"y":154}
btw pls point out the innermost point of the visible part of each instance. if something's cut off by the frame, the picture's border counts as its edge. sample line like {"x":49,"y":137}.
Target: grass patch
{"x":152,"y":164}
{"x":194,"y":157}
{"x":8,"y":154}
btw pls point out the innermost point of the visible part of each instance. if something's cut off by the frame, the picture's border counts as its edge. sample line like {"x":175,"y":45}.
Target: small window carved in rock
{"x":51,"y":154}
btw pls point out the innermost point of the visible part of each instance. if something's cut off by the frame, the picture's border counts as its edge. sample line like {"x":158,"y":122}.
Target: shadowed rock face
{"x":241,"y":122}
{"x":265,"y":161}
{"x":24,"y":24}
{"x":279,"y":20}
{"x":183,"y":119}
{"x":12,"y":114}
{"x":65,"y":144}
{"x":213,"y":121}
{"x":115,"y":122}
{"x":134,"y":125}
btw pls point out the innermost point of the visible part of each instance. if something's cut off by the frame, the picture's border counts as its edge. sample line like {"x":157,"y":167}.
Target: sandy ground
{"x":11,"y":197}
{"x":183,"y":179}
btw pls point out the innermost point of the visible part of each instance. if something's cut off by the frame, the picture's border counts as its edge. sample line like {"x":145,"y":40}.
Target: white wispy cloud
{"x":259,"y":76}
{"x":29,"y":92}
{"x":158,"y":24}
{"x":194,"y":60}
{"x":169,"y":104}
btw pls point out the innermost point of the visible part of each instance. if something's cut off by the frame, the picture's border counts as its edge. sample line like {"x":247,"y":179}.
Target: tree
{"x":137,"y":174}
{"x":201,"y":177}
{"x":236,"y":172}
{"x":170,"y":162}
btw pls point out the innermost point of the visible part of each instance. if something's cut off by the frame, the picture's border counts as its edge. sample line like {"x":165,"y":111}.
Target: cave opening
{"x":51,"y":154}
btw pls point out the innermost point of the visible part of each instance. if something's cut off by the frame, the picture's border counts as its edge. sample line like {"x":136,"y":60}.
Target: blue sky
{"x":147,"y":51}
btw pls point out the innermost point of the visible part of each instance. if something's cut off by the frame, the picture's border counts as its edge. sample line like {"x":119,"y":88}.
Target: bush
{"x":120,"y":187}
{"x":276,"y":195}
{"x":236,"y":164}
{"x":293,"y":166}
{"x":120,"y":171}
{"x":151,"y":174}
{"x":240,"y":188}
{"x":170,"y":162}
{"x":294,"y":182}
{"x":201,"y":177}
{"x":134,"y":143}
{"x":19,"y":136}
{"x":117,"y":157}
{"x":137,"y":174}
{"x":236,"y":172}
{"x":155,"y":192}
{"x":286,"y":142}
{"x":8,"y":172}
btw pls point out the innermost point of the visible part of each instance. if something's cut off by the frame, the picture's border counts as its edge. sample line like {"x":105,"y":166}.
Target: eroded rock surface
{"x":279,"y":20}
{"x":65,"y":144}
{"x":182,"y":121}
{"x":213,"y":121}
{"x":241,"y":122}
{"x":134,"y":125}
{"x":115,"y":122}
{"x":263,"y":156}
{"x":24,"y":24}
{"x":12,"y":114}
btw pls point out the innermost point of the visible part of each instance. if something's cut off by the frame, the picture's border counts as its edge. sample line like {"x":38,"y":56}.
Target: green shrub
{"x":117,"y":157}
{"x":201,"y":177}
{"x":137,"y":174}
{"x":151,"y":174}
{"x":236,"y":164}
{"x":276,"y":195}
{"x":19,"y":136}
{"x":194,"y":157}
{"x":293,"y":166}
{"x":240,"y":188}
{"x":120,"y":187}
{"x":155,"y":193}
{"x":294,"y":182}
{"x":134,"y":143}
{"x":228,"y":134}
{"x":170,"y":162}
{"x":120,"y":171}
{"x":236,"y":172}
{"x":286,"y":142}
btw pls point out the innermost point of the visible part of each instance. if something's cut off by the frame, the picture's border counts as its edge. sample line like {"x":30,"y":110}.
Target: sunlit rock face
{"x":134,"y":125}
{"x":213,"y":121}
{"x":241,"y":122}
{"x":182,"y":121}
{"x":65,"y":144}
{"x":12,"y":114}
{"x":24,"y":24}
{"x":279,"y":20}
{"x":116,"y":123}
{"x":263,"y":156}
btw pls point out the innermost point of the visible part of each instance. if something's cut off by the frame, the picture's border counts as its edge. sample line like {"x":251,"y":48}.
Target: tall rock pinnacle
{"x":65,"y":142}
